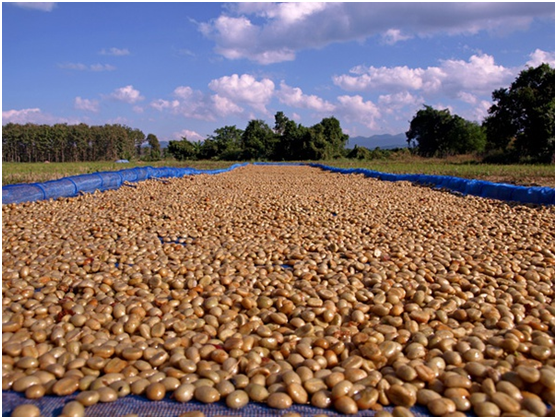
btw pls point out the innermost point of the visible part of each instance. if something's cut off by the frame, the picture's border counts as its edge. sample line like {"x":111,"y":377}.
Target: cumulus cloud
{"x":41,"y":6}
{"x":84,"y":67}
{"x":355,"y":109}
{"x":86,"y":104}
{"x":245,"y":89}
{"x":392,"y":103}
{"x":190,"y":135}
{"x":127,"y":94}
{"x":479,"y":75}
{"x":188,"y":103}
{"x":293,"y":96}
{"x":33,"y":115}
{"x":539,"y":57}
{"x":392,"y":36}
{"x":224,"y":106}
{"x":115,"y":51}
{"x":274,"y":32}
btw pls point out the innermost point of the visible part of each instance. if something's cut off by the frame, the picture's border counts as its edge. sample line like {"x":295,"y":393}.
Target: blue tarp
{"x":102,"y":181}
{"x":526,"y":195}
{"x":73,"y":185}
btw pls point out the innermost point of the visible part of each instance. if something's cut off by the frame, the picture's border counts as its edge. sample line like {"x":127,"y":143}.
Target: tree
{"x":183,"y":149}
{"x":438,"y":133}
{"x":258,"y":141}
{"x":155,"y":152}
{"x":226,"y":143}
{"x":522,"y":119}
{"x":334,"y":139}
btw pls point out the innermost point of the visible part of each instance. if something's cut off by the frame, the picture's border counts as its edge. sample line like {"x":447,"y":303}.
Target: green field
{"x":529,"y":175}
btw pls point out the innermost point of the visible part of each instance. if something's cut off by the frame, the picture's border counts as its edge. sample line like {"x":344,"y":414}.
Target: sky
{"x":185,"y":69}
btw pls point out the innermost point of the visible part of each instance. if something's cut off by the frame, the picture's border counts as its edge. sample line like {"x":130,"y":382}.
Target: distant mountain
{"x":381,"y":141}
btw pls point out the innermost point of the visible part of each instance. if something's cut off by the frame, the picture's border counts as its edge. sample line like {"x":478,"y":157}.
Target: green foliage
{"x":521,"y":123}
{"x":154,"y":148}
{"x":183,"y":149}
{"x":258,"y":141}
{"x":437,"y":133}
{"x":69,"y":143}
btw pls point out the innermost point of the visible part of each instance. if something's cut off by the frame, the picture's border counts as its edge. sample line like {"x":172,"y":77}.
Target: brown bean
{"x":65,"y":386}
{"x":237,"y":399}
{"x":88,"y":398}
{"x":73,"y":409}
{"x":345,"y":405}
{"x":26,"y":410}
{"x":155,"y":391}
{"x":279,"y":400}
{"x":206,"y":394}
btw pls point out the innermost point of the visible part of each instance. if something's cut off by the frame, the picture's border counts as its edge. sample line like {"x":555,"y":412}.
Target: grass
{"x":461,"y":166}
{"x":518,"y":174}
{"x":13,"y":173}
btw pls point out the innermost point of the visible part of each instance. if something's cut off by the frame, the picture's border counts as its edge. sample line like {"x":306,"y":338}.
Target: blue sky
{"x":185,"y":69}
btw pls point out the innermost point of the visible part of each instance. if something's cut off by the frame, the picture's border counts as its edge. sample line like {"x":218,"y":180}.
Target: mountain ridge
{"x":379,"y":140}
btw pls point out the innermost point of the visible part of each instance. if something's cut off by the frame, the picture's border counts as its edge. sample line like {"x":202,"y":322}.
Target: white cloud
{"x":86,"y":104}
{"x":41,"y":6}
{"x":83,"y":67}
{"x":189,"y":103}
{"x":102,"y":67}
{"x":245,"y":89}
{"x":275,"y":32}
{"x":539,"y":57}
{"x":478,"y":75}
{"x":161,"y":104}
{"x":395,"y":102}
{"x":183,"y":92}
{"x":467,"y":97}
{"x":127,"y":94}
{"x":20,"y":116}
{"x":34,"y":116}
{"x":355,"y":109}
{"x":293,"y":96}
{"x":190,"y":135}
{"x":115,"y":51}
{"x":392,"y":36}
{"x":224,"y":106}
{"x":381,"y":78}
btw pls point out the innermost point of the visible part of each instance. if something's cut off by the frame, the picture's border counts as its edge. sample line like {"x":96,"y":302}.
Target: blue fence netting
{"x":541,"y":195}
{"x":102,"y":181}
{"x":73,"y":185}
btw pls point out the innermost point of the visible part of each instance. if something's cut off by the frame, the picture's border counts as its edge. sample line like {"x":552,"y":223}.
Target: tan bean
{"x":88,"y":398}
{"x":206,"y":394}
{"x":184,"y":393}
{"x":155,"y":391}
{"x":279,"y":400}
{"x":26,"y":410}
{"x":237,"y":399}
{"x":73,"y":409}
{"x":65,"y":386}
{"x":441,"y":406}
{"x":345,"y":405}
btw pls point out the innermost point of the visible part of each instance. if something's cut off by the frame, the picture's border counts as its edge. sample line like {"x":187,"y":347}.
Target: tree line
{"x":72,"y":143}
{"x":520,"y":125}
{"x":287,"y":140}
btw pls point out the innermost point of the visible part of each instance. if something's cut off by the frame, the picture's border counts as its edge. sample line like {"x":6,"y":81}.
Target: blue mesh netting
{"x":501,"y":191}
{"x":141,"y":406}
{"x":71,"y":186}
{"x":102,"y":181}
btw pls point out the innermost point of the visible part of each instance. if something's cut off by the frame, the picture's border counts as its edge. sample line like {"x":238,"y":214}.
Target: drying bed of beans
{"x":281,"y":286}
